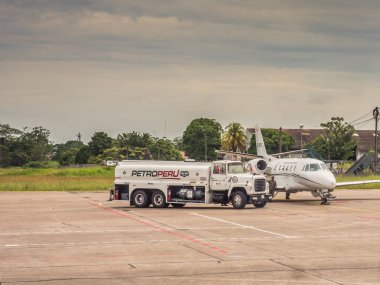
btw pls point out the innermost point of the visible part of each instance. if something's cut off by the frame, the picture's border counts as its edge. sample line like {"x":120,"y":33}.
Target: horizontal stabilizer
{"x":349,"y":183}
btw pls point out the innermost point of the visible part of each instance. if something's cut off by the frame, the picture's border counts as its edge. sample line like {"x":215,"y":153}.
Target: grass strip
{"x":56,"y":179}
{"x":48,"y":183}
{"x":64,"y":172}
{"x":94,"y":178}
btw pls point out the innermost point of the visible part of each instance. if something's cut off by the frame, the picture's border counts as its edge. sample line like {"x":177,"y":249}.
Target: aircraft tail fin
{"x":260,"y":145}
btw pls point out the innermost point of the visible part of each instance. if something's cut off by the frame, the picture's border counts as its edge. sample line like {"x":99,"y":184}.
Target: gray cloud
{"x":293,"y":33}
{"x":147,"y":61}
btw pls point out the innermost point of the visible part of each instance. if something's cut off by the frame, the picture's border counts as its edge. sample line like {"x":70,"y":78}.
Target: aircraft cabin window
{"x":307,"y":167}
{"x":314,"y":167}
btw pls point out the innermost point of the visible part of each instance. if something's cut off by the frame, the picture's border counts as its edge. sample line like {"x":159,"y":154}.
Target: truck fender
{"x":232,"y":190}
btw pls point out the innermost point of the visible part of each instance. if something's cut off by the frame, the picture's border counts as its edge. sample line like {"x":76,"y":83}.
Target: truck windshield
{"x":235,"y":168}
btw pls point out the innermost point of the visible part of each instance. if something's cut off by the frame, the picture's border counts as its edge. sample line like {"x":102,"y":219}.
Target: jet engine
{"x":257,"y":166}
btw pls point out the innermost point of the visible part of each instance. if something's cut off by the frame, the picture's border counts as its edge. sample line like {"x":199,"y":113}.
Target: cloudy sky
{"x":117,"y":65}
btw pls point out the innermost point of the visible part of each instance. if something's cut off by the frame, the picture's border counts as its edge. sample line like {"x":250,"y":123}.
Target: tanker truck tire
{"x":239,"y":199}
{"x":177,"y":205}
{"x":158,"y":200}
{"x":141,"y":199}
{"x":259,"y":204}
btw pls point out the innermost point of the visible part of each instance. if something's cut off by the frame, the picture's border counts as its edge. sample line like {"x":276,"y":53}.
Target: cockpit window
{"x":315,"y":167}
{"x":324,"y":166}
{"x":307,"y":167}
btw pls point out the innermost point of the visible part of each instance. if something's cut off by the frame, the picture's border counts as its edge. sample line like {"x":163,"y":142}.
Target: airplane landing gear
{"x":325,"y":196}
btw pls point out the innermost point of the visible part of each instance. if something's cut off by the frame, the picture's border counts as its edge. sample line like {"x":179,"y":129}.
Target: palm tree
{"x":234,"y":137}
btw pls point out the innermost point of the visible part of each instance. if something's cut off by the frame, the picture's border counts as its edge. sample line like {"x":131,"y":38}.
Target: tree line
{"x":200,"y":140}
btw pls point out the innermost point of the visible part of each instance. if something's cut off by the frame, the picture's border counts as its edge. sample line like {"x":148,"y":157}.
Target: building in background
{"x":364,"y":138}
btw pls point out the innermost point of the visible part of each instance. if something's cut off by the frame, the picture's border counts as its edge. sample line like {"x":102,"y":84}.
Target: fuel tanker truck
{"x":164,"y":183}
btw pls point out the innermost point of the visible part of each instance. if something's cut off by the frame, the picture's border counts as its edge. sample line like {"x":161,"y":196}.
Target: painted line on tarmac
{"x":356,"y":209}
{"x":109,"y":231}
{"x":74,"y":232}
{"x":170,"y":232}
{"x":90,"y":243}
{"x":240,"y":225}
{"x":214,"y":239}
{"x":370,"y":218}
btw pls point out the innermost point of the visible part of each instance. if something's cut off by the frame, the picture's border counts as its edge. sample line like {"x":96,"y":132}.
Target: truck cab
{"x":238,"y":185}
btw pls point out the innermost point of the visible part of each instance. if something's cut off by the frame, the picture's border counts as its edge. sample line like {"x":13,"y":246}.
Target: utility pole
{"x":376,"y":116}
{"x":280,"y":145}
{"x":205,"y":146}
{"x":301,"y":127}
{"x":205,"y":135}
{"x":165,"y":129}
{"x":328,"y":149}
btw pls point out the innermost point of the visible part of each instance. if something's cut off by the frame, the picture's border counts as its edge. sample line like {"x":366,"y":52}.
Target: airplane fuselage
{"x":301,"y":174}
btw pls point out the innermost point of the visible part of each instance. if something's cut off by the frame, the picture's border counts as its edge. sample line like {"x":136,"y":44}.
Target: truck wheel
{"x":177,"y":205}
{"x":159,"y":200}
{"x":239,"y":199}
{"x":259,"y":204}
{"x":141,"y":199}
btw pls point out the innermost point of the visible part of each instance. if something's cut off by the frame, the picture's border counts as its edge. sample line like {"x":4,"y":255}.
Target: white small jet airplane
{"x":293,"y":175}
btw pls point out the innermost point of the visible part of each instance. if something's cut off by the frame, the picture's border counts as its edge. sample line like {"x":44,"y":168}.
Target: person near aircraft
{"x":272,"y":185}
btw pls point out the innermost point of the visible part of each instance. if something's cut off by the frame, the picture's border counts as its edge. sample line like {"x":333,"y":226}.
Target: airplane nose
{"x":330,"y":182}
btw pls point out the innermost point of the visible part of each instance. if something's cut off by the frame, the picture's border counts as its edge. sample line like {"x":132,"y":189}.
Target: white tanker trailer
{"x":178,"y":183}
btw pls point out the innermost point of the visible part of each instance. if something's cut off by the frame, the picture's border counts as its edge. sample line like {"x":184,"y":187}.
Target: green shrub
{"x":35,"y":164}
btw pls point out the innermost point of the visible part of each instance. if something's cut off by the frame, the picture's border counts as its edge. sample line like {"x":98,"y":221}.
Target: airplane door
{"x":219,"y":177}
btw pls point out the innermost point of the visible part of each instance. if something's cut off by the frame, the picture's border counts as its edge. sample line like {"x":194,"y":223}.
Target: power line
{"x":360,"y":118}
{"x":363,"y":122}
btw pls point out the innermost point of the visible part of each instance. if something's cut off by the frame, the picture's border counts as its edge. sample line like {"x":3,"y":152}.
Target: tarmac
{"x":80,"y":238}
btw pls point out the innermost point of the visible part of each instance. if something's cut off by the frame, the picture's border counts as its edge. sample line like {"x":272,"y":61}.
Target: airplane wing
{"x":349,"y":183}
{"x":299,"y":151}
